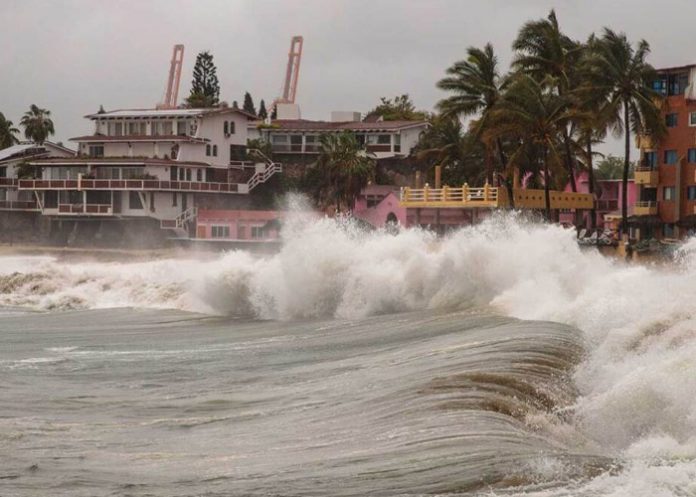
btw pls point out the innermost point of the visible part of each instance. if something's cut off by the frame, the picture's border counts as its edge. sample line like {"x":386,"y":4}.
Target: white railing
{"x":262,"y":176}
{"x":646,"y":204}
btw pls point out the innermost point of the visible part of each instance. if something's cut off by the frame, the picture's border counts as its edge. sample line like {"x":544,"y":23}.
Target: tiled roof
{"x":306,"y":125}
{"x":137,"y":138}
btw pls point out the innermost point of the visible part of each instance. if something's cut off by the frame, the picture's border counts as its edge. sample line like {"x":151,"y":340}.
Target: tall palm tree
{"x":536,"y":114}
{"x":621,"y":72}
{"x":7,"y":132}
{"x":477,"y":85}
{"x":37,"y":124}
{"x":342,"y":170}
{"x":546,"y":54}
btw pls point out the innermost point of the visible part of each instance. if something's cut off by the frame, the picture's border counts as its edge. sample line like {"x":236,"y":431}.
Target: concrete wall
{"x":212,"y":127}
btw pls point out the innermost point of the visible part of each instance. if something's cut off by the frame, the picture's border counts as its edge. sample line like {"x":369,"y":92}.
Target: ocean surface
{"x":502,"y":360}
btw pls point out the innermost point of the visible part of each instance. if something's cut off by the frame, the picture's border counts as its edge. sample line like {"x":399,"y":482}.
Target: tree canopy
{"x":7,"y":132}
{"x":248,"y":105}
{"x":205,"y":88}
{"x":37,"y":124}
{"x":399,"y":108}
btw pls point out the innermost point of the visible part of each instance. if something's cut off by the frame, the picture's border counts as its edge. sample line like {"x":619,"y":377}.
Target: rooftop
{"x":306,"y":125}
{"x":125,"y":113}
{"x":109,"y":161}
{"x":26,"y":148}
{"x":136,"y":138}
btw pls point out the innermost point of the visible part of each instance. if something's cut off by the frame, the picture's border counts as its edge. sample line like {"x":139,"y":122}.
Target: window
{"x":134,"y":201}
{"x":692,"y":155}
{"x":214,"y":150}
{"x":691,"y":193}
{"x":668,"y":193}
{"x":692,"y":118}
{"x":96,"y":150}
{"x":397,"y":143}
{"x":188,"y":174}
{"x":199,"y":175}
{"x":257,"y":232}
{"x":232,"y":127}
{"x":220,"y":231}
{"x":207,"y":150}
{"x":226,"y":128}
{"x":671,"y":120}
{"x":3,"y":173}
{"x":181,"y":128}
{"x":181,"y":174}
{"x":668,"y":230}
{"x":670,"y":156}
{"x":173,"y":173}
{"x":650,"y":159}
{"x":173,"y":199}
{"x":384,"y":139}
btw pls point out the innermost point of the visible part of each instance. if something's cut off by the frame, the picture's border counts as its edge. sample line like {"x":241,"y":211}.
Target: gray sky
{"x":70,"y":56}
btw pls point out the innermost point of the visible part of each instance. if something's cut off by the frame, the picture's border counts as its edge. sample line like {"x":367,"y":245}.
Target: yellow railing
{"x":486,"y":196}
{"x":648,"y":208}
{"x":491,"y":197}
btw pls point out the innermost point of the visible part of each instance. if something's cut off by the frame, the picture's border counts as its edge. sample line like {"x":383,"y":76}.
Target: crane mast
{"x":172,"y":92}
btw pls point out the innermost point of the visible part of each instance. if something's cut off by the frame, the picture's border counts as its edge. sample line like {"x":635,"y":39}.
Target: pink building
{"x":238,"y":225}
{"x":609,"y":194}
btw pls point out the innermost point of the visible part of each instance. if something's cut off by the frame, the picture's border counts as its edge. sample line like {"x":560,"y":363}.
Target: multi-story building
{"x":163,"y":166}
{"x":665,"y":177}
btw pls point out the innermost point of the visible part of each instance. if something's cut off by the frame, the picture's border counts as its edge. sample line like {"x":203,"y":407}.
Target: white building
{"x":160,"y":164}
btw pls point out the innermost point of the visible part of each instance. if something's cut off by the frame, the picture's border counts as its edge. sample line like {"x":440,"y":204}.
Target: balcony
{"x":18,"y":205}
{"x":647,"y":176}
{"x":645,"y":142}
{"x":645,"y":208}
{"x":126,"y":184}
{"x":8,"y":182}
{"x":88,"y":209}
{"x":607,"y":204}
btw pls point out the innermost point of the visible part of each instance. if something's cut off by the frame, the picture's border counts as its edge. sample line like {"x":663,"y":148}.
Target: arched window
{"x":207,"y":150}
{"x":227,"y":128}
{"x":231,"y":127}
{"x":214,"y":150}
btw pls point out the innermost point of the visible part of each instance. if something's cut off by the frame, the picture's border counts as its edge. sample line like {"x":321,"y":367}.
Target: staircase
{"x":181,"y":223}
{"x":264,"y":170}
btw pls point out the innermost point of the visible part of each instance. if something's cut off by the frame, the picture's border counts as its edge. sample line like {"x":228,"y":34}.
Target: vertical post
{"x":425,"y":192}
{"x":485,"y":192}
{"x":418,"y":179}
{"x":465,"y":193}
{"x":445,"y":193}
{"x":438,"y":177}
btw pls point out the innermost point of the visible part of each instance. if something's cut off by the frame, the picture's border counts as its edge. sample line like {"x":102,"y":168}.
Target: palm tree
{"x":477,"y":86}
{"x":7,"y":132}
{"x":620,"y":71}
{"x":342,"y":170}
{"x":459,"y":153}
{"x":536,"y":115}
{"x":546,"y":54}
{"x":37,"y":124}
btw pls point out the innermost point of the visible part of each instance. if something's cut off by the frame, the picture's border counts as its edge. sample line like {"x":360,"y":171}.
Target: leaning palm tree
{"x":546,"y":54}
{"x":620,"y":71}
{"x":476,"y":86}
{"x":342,"y":170}
{"x":37,"y":123}
{"x":536,"y":115}
{"x":7,"y":132}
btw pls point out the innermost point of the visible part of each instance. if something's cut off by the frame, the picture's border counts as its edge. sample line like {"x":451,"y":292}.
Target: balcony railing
{"x":607,"y":205}
{"x":125,"y":184}
{"x":647,"y":175}
{"x":18,"y":205}
{"x":92,"y":209}
{"x":8,"y":181}
{"x":645,"y":208}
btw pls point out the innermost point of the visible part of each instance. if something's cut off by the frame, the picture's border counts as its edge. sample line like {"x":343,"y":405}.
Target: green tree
{"x":205,"y":88}
{"x":342,"y":170}
{"x":549,"y":56}
{"x":263,"y":113}
{"x":7,"y":132}
{"x":400,"y":108}
{"x":446,"y":144}
{"x":611,"y":167}
{"x":476,"y":86}
{"x":535,"y":114}
{"x":37,"y":124}
{"x":249,"y":104}
{"x":621,"y":72}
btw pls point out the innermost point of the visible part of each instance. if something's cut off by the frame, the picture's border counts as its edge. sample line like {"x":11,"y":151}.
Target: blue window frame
{"x":670,"y":157}
{"x":671,"y":120}
{"x":692,"y":155}
{"x":691,"y":192}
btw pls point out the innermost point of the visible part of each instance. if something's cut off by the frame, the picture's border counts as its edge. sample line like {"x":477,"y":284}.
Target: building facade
{"x":666,"y":176}
{"x":164,"y":166}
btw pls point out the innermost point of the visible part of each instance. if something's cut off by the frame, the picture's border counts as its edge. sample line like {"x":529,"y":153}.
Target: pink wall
{"x":609,"y":199}
{"x":377,"y":215}
{"x":239,"y":222}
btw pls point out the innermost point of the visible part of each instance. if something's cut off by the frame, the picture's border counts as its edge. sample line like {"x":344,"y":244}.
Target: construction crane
{"x":172,"y":92}
{"x":292,"y":74}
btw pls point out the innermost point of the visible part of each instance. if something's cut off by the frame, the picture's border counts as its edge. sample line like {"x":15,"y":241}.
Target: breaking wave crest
{"x":636,"y":383}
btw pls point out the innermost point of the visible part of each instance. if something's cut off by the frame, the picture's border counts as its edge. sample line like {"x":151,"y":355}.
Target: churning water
{"x":502,"y":360}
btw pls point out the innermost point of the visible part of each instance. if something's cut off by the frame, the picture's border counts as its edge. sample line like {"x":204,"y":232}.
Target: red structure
{"x":666,"y":176}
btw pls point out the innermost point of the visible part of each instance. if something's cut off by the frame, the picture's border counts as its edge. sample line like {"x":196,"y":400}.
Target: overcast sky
{"x":71,"y":56}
